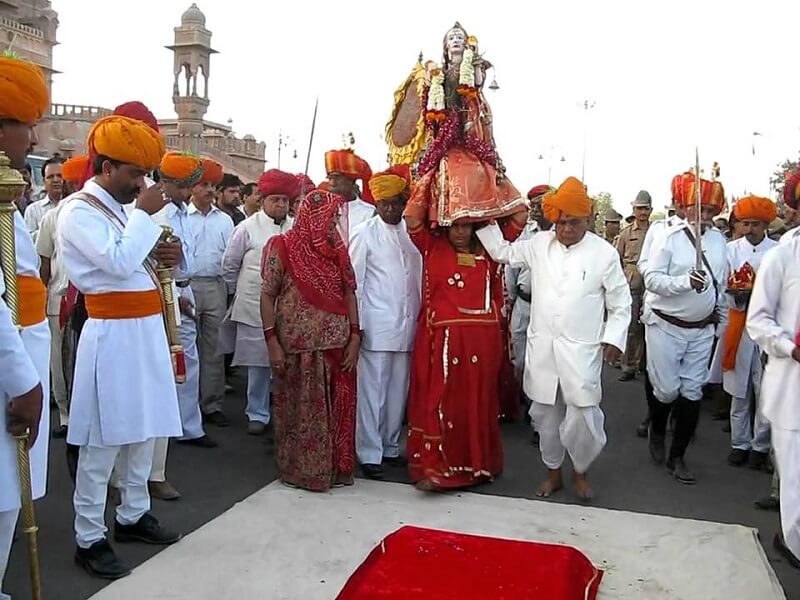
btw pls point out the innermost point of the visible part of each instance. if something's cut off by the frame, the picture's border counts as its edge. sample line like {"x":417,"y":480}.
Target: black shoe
{"x":217,"y":418}
{"x":737,"y":457}
{"x":99,"y":560}
{"x":201,"y":442}
{"x":678,"y":469}
{"x":758,"y":460}
{"x":784,"y":551}
{"x":627,"y":376}
{"x":372,"y":472}
{"x":768,"y":503}
{"x":60,"y":432}
{"x":395,"y":461}
{"x":146,"y":530}
{"x":643,"y":428}
{"x":657,"y":452}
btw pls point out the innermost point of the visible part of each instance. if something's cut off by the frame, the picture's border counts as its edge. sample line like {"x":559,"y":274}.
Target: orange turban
{"x":74,"y":169}
{"x":212,"y":172}
{"x":755,"y":208}
{"x":347,"y":163}
{"x":683,"y":191}
{"x":126,"y":140}
{"x":278,"y":183}
{"x":23,"y":91}
{"x":390,"y":183}
{"x":569,"y":199}
{"x":184,"y":170}
{"x":791,"y":188}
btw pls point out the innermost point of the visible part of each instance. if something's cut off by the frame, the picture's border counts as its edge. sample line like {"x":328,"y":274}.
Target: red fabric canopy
{"x":414,"y":562}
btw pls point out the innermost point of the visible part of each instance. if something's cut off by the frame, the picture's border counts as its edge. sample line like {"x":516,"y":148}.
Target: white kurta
{"x":790,"y":235}
{"x":26,"y":361}
{"x":241,"y":332}
{"x":567,"y":330}
{"x":388,"y":269}
{"x":735,"y":382}
{"x":353,"y":213}
{"x":124,"y":390}
{"x":773,"y":321}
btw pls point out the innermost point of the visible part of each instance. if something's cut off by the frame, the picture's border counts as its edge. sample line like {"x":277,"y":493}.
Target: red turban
{"x":791,"y":188}
{"x":184,"y":170}
{"x":212,"y":172}
{"x":683,"y":191}
{"x":347,"y":163}
{"x":74,"y":169}
{"x":569,"y":199}
{"x":137,"y":110}
{"x":755,"y":208}
{"x":305,"y":184}
{"x":538,"y":190}
{"x":23,"y":91}
{"x":126,"y":140}
{"x":390,"y":183}
{"x":278,"y":183}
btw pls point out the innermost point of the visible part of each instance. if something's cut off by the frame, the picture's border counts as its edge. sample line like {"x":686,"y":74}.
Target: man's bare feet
{"x":582,"y":488}
{"x":551,"y":485}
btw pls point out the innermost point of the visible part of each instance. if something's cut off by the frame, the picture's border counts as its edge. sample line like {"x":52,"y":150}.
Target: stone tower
{"x":192,"y":68}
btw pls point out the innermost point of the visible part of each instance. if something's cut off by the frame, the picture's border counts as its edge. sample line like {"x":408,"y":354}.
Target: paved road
{"x":214,"y":480}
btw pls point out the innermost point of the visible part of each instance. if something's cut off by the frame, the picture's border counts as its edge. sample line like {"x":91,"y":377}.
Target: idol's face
{"x":456,"y":40}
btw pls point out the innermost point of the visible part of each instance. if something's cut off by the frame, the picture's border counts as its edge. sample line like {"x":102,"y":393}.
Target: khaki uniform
{"x":629,"y":245}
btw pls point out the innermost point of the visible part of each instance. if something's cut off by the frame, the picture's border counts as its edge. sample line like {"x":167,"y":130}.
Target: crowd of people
{"x":360,"y":308}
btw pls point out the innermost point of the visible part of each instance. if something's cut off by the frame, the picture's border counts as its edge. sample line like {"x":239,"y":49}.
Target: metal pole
{"x":311,"y":137}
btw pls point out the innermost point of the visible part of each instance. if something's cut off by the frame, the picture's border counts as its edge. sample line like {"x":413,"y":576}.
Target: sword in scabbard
{"x":11,"y":187}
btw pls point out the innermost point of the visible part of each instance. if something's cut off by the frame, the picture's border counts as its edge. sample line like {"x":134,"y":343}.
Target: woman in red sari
{"x":453,"y":409}
{"x":310,"y":319}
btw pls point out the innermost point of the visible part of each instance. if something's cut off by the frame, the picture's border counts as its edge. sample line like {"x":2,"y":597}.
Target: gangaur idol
{"x":441,"y":126}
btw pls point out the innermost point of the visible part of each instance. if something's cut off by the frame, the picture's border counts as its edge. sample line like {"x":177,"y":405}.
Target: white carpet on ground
{"x":288,"y":544}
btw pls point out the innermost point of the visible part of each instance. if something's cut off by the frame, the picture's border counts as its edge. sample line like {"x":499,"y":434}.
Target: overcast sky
{"x":665,"y":76}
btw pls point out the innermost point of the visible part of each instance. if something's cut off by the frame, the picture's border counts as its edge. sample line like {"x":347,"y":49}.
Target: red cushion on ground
{"x":414,"y":562}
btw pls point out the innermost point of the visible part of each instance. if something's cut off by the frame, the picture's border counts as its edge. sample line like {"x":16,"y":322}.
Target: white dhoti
{"x":8,"y":521}
{"x":574,"y":429}
{"x":677,"y":360}
{"x":786,"y":444}
{"x":382,"y":392}
{"x":133,"y":465}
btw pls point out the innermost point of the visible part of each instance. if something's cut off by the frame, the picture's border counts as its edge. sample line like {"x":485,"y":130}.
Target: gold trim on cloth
{"x":445,"y":350}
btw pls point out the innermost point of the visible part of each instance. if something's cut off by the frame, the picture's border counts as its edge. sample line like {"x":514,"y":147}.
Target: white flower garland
{"x":466,"y":71}
{"x":436,"y":93}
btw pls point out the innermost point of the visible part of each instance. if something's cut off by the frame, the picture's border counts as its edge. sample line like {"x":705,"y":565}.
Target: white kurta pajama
{"x":388,"y":269}
{"x":519,"y":279}
{"x":353,"y":214}
{"x":242,"y":332}
{"x":124,"y":391}
{"x":25,"y":360}
{"x":773,"y":321}
{"x":746,"y":376}
{"x":572,"y":289}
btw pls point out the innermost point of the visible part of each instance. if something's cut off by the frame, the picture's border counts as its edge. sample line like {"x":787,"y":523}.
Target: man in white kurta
{"x":344,"y":168}
{"x":124,"y":390}
{"x":242,"y":332}
{"x":741,"y":366}
{"x":388,"y":270}
{"x":567,"y":333}
{"x":24,"y":350}
{"x":773,"y":321}
{"x":681,"y":310}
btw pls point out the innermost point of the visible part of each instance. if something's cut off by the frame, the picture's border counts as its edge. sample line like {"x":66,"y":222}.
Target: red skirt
{"x":453,"y":413}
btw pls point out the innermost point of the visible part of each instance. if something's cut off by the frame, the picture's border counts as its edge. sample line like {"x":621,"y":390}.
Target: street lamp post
{"x":283,"y":142}
{"x":586,"y":105}
{"x":550,"y":163}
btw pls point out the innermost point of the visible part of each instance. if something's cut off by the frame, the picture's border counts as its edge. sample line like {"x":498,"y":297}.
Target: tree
{"x":602,"y":202}
{"x":779,"y":177}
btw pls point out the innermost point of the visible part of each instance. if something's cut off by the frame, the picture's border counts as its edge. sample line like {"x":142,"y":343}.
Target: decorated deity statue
{"x":441,"y":126}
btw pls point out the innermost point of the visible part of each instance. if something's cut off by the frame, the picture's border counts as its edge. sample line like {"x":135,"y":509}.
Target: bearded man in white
{"x":568,"y":336}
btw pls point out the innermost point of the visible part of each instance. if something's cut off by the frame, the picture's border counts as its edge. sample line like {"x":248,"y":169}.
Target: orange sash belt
{"x":32,"y":300}
{"x":123,"y":305}
{"x":733,"y":335}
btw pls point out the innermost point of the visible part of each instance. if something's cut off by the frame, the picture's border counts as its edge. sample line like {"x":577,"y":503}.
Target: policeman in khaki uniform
{"x":612,"y":220}
{"x":629,"y":245}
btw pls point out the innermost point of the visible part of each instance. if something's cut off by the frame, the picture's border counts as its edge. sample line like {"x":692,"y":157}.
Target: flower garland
{"x":435,"y":107}
{"x":449,"y":134}
{"x":466,"y":74}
